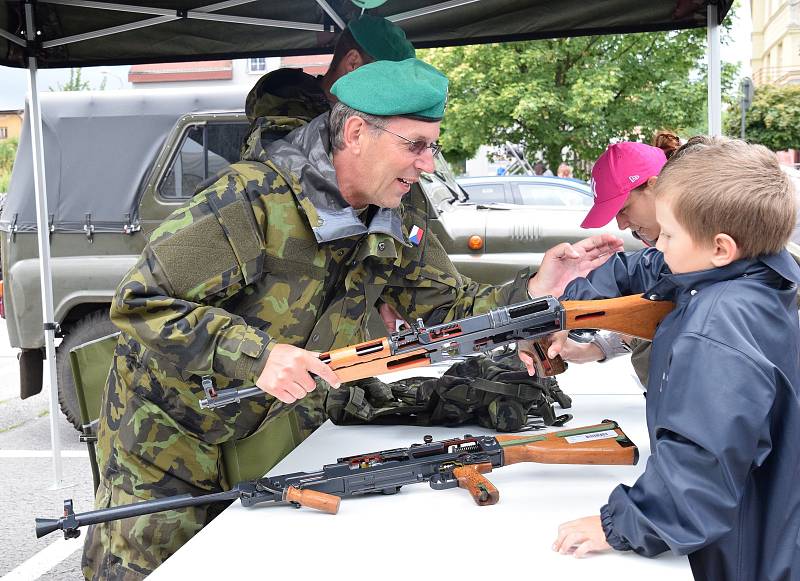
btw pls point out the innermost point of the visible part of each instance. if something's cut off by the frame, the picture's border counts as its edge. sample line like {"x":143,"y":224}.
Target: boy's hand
{"x":566,"y":262}
{"x":581,"y":536}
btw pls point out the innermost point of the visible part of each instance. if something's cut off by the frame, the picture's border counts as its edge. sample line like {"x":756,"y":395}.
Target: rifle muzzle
{"x":45,"y":526}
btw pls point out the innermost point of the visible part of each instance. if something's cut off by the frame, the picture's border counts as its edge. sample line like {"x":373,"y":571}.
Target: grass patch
{"x":43,"y":413}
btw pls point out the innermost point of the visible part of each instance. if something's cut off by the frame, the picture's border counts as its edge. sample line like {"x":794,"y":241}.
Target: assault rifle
{"x":420,"y":346}
{"x":444,"y":464}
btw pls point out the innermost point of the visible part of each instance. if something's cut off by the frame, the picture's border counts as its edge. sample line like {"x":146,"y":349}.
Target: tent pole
{"x":714,"y":73}
{"x":37,"y":144}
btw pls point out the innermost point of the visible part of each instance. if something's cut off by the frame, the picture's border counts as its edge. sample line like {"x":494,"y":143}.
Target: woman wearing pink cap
{"x":622,"y":180}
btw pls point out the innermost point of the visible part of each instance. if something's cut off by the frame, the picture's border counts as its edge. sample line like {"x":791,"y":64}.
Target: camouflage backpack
{"x":494,"y":391}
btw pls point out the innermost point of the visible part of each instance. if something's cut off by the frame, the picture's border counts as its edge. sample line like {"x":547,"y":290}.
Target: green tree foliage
{"x":8,"y":151}
{"x":572,"y":94}
{"x":772,"y":120}
{"x":76,"y":83}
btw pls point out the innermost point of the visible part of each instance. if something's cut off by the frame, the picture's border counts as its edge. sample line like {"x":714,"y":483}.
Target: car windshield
{"x":441,"y":185}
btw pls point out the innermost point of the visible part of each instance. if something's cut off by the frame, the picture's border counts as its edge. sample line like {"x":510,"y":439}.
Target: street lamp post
{"x":746,"y":89}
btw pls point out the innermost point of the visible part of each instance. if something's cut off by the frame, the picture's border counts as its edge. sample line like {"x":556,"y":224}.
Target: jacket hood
{"x":304,"y":160}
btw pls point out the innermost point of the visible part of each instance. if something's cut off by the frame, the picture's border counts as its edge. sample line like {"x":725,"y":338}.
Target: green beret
{"x":411,"y":88}
{"x":381,"y":39}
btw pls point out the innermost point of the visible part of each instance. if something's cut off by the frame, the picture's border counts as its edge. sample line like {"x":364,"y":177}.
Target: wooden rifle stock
{"x":631,"y":315}
{"x":603,"y":444}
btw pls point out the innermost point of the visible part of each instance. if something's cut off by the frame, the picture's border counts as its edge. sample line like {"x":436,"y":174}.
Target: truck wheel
{"x":92,"y":326}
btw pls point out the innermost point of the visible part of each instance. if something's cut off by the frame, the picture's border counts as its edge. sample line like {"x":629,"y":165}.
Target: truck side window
{"x":205,"y":150}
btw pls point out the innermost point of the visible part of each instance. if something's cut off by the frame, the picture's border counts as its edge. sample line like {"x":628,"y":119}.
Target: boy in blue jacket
{"x":722,"y":483}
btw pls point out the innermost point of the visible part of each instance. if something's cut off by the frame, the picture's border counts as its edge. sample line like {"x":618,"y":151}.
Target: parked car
{"x":118,"y":163}
{"x":528,"y":190}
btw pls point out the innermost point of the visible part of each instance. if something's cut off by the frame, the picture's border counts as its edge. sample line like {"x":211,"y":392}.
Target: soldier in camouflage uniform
{"x":286,"y":99}
{"x":272,"y":259}
{"x":281,"y":257}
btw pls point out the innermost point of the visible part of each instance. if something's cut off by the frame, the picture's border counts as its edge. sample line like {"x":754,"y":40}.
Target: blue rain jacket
{"x":722,"y":483}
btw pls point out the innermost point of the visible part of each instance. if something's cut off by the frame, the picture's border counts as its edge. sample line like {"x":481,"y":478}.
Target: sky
{"x":14,"y":82}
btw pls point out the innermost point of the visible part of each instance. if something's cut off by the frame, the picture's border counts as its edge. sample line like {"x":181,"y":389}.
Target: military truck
{"x":117,"y":163}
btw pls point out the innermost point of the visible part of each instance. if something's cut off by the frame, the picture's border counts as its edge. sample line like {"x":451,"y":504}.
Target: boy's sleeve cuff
{"x":606,"y":520}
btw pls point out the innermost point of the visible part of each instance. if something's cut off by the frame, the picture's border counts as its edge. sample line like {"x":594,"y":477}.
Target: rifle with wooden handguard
{"x":420,"y":346}
{"x":457,"y":462}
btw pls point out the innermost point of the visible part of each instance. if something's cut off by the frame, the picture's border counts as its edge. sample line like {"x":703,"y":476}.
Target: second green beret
{"x":409,"y":88}
{"x":381,"y":39}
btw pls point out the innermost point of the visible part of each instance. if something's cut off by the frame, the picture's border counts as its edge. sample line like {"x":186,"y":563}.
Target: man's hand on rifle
{"x":392,"y":320}
{"x":287,"y":374}
{"x":566,"y":262}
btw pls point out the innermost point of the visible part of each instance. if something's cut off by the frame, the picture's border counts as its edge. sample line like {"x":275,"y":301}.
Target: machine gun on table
{"x":532,"y":320}
{"x":457,"y":462}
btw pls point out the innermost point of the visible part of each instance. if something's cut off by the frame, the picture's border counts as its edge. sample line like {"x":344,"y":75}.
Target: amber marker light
{"x":475,"y":242}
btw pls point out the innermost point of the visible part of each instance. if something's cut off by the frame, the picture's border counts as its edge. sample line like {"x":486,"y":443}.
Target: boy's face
{"x":681,"y":253}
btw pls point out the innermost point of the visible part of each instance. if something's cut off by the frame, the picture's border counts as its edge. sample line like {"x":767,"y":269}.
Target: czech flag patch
{"x":415,"y":236}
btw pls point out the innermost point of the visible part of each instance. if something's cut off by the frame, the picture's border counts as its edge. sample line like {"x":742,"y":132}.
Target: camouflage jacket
{"x":283,"y":99}
{"x":271,"y":253}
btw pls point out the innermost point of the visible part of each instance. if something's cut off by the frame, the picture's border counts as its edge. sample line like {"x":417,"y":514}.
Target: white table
{"x":425,"y":533}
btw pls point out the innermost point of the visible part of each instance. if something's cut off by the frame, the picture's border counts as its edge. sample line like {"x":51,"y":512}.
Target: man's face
{"x":639,"y":215}
{"x":389,"y":166}
{"x":681,"y":253}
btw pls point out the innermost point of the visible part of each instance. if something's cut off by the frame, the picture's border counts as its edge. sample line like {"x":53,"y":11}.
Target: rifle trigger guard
{"x":443,"y":481}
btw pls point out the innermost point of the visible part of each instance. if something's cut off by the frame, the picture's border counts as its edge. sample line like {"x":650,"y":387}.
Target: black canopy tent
{"x":72,"y":33}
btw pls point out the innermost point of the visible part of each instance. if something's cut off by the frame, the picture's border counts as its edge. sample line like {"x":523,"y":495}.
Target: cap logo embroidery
{"x":633,"y":179}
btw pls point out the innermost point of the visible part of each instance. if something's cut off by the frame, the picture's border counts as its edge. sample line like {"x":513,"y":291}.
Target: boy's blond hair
{"x":734,"y":188}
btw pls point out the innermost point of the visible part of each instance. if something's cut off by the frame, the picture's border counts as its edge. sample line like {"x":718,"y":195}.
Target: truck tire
{"x":92,"y":326}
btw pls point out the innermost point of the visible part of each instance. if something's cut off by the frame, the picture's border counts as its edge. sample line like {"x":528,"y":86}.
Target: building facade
{"x":219,"y":73}
{"x":776,"y":41}
{"x":10,"y":124}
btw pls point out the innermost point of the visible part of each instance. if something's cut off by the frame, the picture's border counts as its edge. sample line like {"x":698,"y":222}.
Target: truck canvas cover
{"x":107,"y":138}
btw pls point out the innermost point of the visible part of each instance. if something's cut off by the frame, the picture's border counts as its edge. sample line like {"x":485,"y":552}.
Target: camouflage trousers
{"x":144,"y":453}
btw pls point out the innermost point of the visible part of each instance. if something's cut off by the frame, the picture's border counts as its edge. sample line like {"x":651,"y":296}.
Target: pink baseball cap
{"x":622,"y":167}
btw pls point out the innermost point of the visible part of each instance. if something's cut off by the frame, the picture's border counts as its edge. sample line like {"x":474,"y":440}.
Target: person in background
{"x":723,"y":408}
{"x":540,"y":169}
{"x":667,"y":141}
{"x":564,"y":170}
{"x":300,"y":97}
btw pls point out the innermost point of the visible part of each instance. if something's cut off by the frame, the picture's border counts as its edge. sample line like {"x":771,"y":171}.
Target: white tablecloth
{"x":425,"y":533}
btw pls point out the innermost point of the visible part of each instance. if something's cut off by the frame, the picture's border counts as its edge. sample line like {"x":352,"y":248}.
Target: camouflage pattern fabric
{"x":494,"y":391}
{"x":285,"y":99}
{"x":256,"y":259}
{"x":640,"y":358}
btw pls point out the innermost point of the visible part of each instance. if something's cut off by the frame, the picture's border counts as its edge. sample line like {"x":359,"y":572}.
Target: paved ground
{"x":27,"y":479}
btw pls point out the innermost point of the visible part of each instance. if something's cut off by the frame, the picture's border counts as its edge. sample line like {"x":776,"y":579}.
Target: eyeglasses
{"x":415,"y":147}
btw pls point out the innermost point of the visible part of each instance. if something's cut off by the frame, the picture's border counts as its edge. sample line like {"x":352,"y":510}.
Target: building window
{"x":3,"y":132}
{"x":257,"y":65}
